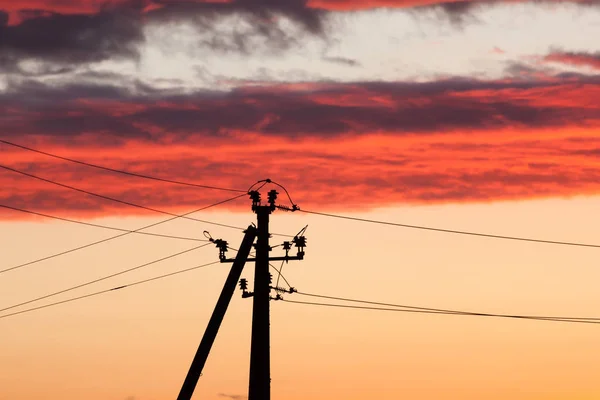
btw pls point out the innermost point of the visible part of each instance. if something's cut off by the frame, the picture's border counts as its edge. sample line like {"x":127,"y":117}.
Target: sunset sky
{"x":478,"y":116}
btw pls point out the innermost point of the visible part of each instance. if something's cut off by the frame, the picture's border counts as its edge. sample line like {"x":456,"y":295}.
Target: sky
{"x":477,"y":116}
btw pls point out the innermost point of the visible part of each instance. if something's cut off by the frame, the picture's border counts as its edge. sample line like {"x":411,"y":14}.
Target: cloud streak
{"x":303,"y":110}
{"x":336,"y":146}
{"x":577,"y":59}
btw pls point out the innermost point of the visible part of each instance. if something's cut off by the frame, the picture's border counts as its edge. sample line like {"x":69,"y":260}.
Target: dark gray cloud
{"x":262,"y":12}
{"x":61,"y":41}
{"x":324,"y":110}
{"x":52,"y":41}
{"x":350,"y":62}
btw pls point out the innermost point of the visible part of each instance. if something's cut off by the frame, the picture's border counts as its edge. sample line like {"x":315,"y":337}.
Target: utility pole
{"x":260,"y":356}
{"x":260,"y":352}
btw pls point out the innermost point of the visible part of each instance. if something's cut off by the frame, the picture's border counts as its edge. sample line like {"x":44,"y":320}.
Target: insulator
{"x":300,"y":241}
{"x":255,"y":196}
{"x":287,"y":246}
{"x":273,"y":196}
{"x":243,"y":284}
{"x":221,"y":244}
{"x":270,"y":278}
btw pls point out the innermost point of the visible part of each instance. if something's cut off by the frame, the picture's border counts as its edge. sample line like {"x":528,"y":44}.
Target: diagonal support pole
{"x":191,"y":380}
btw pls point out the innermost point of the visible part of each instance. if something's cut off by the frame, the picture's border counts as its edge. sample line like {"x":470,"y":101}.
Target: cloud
{"x":232,"y":396}
{"x":71,"y":33}
{"x":69,"y":39}
{"x":46,"y":37}
{"x":301,"y":110}
{"x":578,"y":59}
{"x":354,"y":173}
{"x":350,"y":62}
{"x":336,"y":146}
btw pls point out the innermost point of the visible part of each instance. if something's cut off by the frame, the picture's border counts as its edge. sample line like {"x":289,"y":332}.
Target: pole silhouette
{"x":191,"y":380}
{"x":260,"y":352}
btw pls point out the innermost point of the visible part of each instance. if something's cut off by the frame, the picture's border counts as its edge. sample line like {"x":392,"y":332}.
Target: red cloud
{"x":580,"y":59}
{"x":335,"y":146}
{"x":93,"y":6}
{"x":368,"y":171}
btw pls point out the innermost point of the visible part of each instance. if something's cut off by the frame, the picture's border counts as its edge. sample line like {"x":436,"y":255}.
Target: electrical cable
{"x":118,"y":170}
{"x":104,"y":278}
{"x":185,"y":216}
{"x":100,"y":226}
{"x":101,"y":196}
{"x":108,"y":290}
{"x":442,"y":310}
{"x":295,"y":207}
{"x":117,"y":236}
{"x":263,"y":181}
{"x":458,"y":232}
{"x":279,"y":274}
{"x":266,"y":181}
{"x":552,"y":319}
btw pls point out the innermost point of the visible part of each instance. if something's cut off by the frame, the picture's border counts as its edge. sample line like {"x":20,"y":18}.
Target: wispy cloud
{"x":578,"y":59}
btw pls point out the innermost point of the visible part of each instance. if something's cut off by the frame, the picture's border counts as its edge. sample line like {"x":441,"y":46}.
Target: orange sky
{"x":139,"y":342}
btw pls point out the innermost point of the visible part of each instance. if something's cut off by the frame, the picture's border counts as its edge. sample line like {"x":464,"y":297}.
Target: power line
{"x":116,"y":236}
{"x":104,"y":278}
{"x":279,"y":274}
{"x":185,"y":216}
{"x":101,"y":196}
{"x":118,"y":170}
{"x":551,"y":319}
{"x":98,"y":225}
{"x":108,"y":290}
{"x":441,"y":310}
{"x":453,"y":231}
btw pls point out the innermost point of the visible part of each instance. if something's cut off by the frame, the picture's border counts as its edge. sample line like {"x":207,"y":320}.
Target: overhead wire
{"x":279,"y":273}
{"x":453,"y":231}
{"x":108,"y":290}
{"x":101,"y":196}
{"x":117,"y":236}
{"x":550,"y":319}
{"x":272,"y":266}
{"x":429,"y":308}
{"x":88,"y":164}
{"x":184,"y":216}
{"x":294,"y":205}
{"x":98,"y":225}
{"x":104,"y":277}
